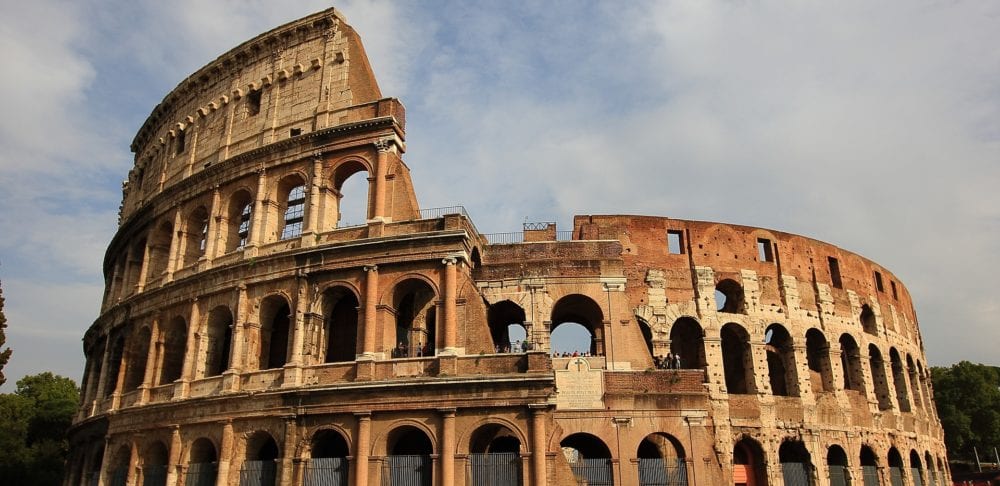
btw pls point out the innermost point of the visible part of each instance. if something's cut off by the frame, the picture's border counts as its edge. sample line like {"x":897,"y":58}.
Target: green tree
{"x":5,"y":354}
{"x":968,"y":402}
{"x":33,"y":424}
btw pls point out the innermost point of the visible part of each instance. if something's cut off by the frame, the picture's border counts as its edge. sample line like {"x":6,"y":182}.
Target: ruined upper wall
{"x":299,"y":78}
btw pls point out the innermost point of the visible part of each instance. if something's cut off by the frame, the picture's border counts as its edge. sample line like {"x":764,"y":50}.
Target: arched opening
{"x":195,"y":235}
{"x":328,"y":463}
{"x":239,"y":217}
{"x":850,"y":362}
{"x":914,"y":382}
{"x":781,"y":368}
{"x":260,"y":466}
{"x":220,"y":337}
{"x":737,"y":360}
{"x":899,"y":380}
{"x":879,"y":380}
{"x":477,"y":260}
{"x":275,"y":315}
{"x":154,"y":465}
{"x":818,"y":357}
{"x":589,"y":458}
{"x":916,"y":469}
{"x":896,"y":476}
{"x":340,"y":325}
{"x":502,"y":318}
{"x":138,"y":352}
{"x":495,"y":456}
{"x":174,"y":347}
{"x":868,"y":320}
{"x":932,"y":476}
{"x":796,"y":464}
{"x":729,"y":297}
{"x":584,"y":312}
{"x":869,"y":466}
{"x":114,"y":366}
{"x":409,"y":460}
{"x":203,"y":464}
{"x":350,"y":192}
{"x":661,"y":461}
{"x":687,"y":344}
{"x":836,"y":465}
{"x":416,"y":319}
{"x":749,"y":468}
{"x":94,"y":468}
{"x":293,"y":206}
{"x":118,"y":471}
{"x":159,"y":253}
{"x":647,"y":337}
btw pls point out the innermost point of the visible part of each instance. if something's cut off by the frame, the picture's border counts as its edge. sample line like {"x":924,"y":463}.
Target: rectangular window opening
{"x":765,"y":252}
{"x":180,"y":142}
{"x":835,"y":273}
{"x":295,"y":132}
{"x":674,"y":245}
{"x":892,"y":286}
{"x":878,"y":281}
{"x":253,"y":102}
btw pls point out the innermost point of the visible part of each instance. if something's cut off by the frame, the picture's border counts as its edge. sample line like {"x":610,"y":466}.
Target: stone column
{"x":176,"y":240}
{"x":119,"y":380}
{"x":134,"y":472}
{"x":231,"y":379}
{"x":174,"y":462}
{"x":293,"y":369}
{"x":288,"y":455}
{"x":447,"y":446}
{"x":314,"y":221}
{"x":370,"y":305}
{"x":147,"y":376}
{"x":143,"y":268}
{"x":381,"y":167}
{"x":187,"y":371}
{"x":450,"y":307}
{"x":102,"y":473}
{"x":538,"y":449}
{"x":225,"y":453}
{"x":214,"y":218}
{"x":103,"y":378}
{"x":362,"y":446}
{"x":256,"y":232}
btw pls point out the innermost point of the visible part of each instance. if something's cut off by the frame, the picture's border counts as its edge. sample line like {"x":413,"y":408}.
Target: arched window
{"x":502,"y":317}
{"x":350,"y":201}
{"x":850,"y":362}
{"x":899,"y":380}
{"x":796,"y":465}
{"x":869,"y":467}
{"x":836,"y":464}
{"x":416,"y":319}
{"x":914,"y":382}
{"x":196,"y":236}
{"x":154,"y":464}
{"x":340,"y":325}
{"x":295,"y":209}
{"x":274,"y":327}
{"x":174,"y":347}
{"x":261,"y":463}
{"x":749,"y":468}
{"x":729,"y":297}
{"x":114,"y":365}
{"x":781,"y":361}
{"x":133,"y":268}
{"x":868,"y":320}
{"x":687,"y":340}
{"x":159,"y":253}
{"x":571,"y":316}
{"x":328,"y":463}
{"x":896,"y":476}
{"x":661,"y":461}
{"x":138,"y":352}
{"x":878,"y":377}
{"x":203,"y":463}
{"x":932,"y":474}
{"x":495,"y":456}
{"x":220,"y":336}
{"x":409,"y":460}
{"x":916,"y":468}
{"x":118,"y":469}
{"x":239,"y":217}
{"x":589,"y":458}
{"x":818,"y":357}
{"x":737,"y":360}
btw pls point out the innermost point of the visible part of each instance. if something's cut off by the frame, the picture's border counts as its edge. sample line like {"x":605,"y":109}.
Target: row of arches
{"x":236,"y":217}
{"x":750,"y":466}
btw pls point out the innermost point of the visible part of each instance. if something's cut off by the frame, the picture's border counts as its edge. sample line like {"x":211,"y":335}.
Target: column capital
{"x":370,"y":268}
{"x":449,"y":260}
{"x":363,"y":415}
{"x":383,"y":144}
{"x":447,"y":412}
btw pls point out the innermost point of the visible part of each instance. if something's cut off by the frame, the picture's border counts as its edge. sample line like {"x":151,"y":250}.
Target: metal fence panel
{"x":495,"y":469}
{"x":258,"y":473}
{"x":870,"y":475}
{"x":660,"y":472}
{"x":407,"y":471}
{"x":795,"y":474}
{"x":154,"y":475}
{"x":201,"y":474}
{"x":917,"y":479}
{"x":896,"y":476}
{"x":931,"y":477}
{"x":593,"y":472}
{"x":327,"y":471}
{"x":838,"y":475}
{"x":118,"y":477}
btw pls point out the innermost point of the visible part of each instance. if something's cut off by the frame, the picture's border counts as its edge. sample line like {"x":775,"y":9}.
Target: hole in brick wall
{"x":674,"y":246}
{"x":868,"y":320}
{"x":834,"y":273}
{"x":253,"y":102}
{"x":295,"y":132}
{"x":765,"y":251}
{"x":181,"y":142}
{"x":729,"y":297}
{"x":878,"y":281}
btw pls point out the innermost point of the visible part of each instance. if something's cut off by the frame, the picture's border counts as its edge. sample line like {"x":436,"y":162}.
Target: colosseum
{"x":249,"y":335}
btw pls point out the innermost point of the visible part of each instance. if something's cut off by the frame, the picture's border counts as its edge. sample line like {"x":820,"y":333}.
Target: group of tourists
{"x":670,"y":362}
{"x":514,"y":347}
{"x":403,"y":351}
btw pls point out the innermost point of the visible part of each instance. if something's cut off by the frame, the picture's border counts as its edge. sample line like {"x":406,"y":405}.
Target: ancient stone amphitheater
{"x":250,"y":336}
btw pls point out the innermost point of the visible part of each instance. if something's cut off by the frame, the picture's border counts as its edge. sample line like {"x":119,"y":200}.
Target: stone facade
{"x":247,"y":334}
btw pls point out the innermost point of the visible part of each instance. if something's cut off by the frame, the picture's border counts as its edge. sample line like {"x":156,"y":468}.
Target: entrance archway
{"x":578,"y":312}
{"x":661,"y":461}
{"x":589,"y":458}
{"x":796,"y":465}
{"x":836,"y":464}
{"x":749,"y":468}
{"x":416,"y":319}
{"x":260,"y":466}
{"x":203,"y":464}
{"x":409,"y":461}
{"x":328,"y":463}
{"x":494,"y":456}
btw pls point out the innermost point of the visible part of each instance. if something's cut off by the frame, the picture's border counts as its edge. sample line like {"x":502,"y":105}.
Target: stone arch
{"x":220,"y":337}
{"x":238,"y":220}
{"x":174,"y":349}
{"x":737,"y":359}
{"x":414,"y":304}
{"x":895,"y":462}
{"x":494,"y":437}
{"x":154,"y":464}
{"x":135,"y":261}
{"x":465,"y":442}
{"x":195,"y":235}
{"x":899,"y":380}
{"x":818,"y":359}
{"x":409,"y":456}
{"x":159,"y":242}
{"x":879,"y":381}
{"x":687,"y":340}
{"x":340,"y":324}
{"x":781,"y":369}
{"x":868,"y":322}
{"x":915,"y":381}
{"x":329,"y":441}
{"x":837,"y":465}
{"x":796,"y":462}
{"x":275,"y":327}
{"x":661,"y":460}
{"x":137,"y":353}
{"x":118,"y":469}
{"x":916,"y":467}
{"x":381,"y":443}
{"x":202,"y":461}
{"x":342,"y":181}
{"x":328,"y":455}
{"x":869,"y":466}
{"x":583,"y":311}
{"x":749,"y":463}
{"x":500,"y":317}
{"x":292,"y":193}
{"x":730,"y":297}
{"x":589,"y":458}
{"x":850,"y":362}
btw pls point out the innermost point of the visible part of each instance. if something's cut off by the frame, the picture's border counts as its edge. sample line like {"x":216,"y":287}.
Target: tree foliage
{"x":5,"y":353}
{"x":968,"y":402}
{"x":33,"y":424}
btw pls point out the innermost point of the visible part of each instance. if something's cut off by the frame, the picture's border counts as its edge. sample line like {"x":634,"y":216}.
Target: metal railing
{"x":154,"y":475}
{"x":495,"y":469}
{"x":327,"y":471}
{"x":258,"y":473}
{"x":660,"y":472}
{"x":504,"y":238}
{"x":407,"y":471}
{"x":201,"y":474}
{"x":593,"y":472}
{"x":433,"y":213}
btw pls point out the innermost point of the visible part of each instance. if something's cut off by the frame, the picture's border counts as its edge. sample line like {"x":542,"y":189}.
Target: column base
{"x":182,"y":389}
{"x":231,"y":381}
{"x":292,"y":376}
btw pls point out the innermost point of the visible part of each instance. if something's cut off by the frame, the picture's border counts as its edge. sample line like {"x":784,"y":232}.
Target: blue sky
{"x":874,"y":126}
